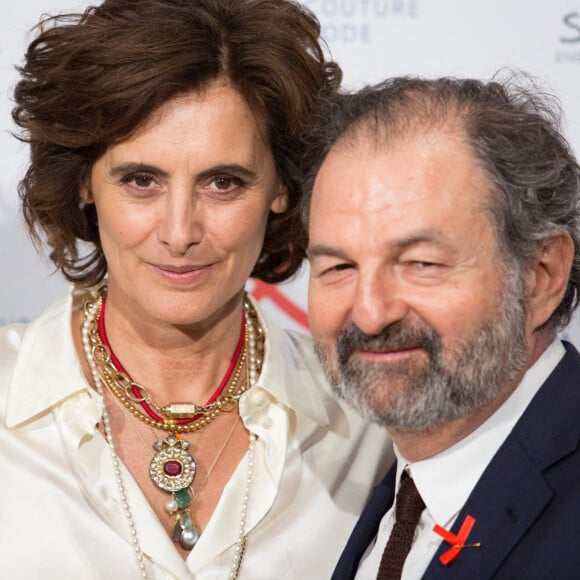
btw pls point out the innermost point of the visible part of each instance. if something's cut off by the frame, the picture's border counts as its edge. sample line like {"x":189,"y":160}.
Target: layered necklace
{"x":173,"y":468}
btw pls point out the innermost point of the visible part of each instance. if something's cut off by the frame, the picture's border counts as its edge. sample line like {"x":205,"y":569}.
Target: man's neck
{"x":418,"y":446}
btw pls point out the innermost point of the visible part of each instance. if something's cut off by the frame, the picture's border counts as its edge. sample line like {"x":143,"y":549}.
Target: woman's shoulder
{"x":11,"y":336}
{"x":32,"y":339}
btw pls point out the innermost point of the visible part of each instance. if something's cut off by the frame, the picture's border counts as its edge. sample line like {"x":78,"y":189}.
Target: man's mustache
{"x":401,"y":335}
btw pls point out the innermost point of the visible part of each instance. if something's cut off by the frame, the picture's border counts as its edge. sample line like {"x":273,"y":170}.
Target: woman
{"x":155,"y":421}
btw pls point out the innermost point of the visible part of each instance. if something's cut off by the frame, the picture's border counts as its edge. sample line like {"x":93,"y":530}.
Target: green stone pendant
{"x":182,"y":498}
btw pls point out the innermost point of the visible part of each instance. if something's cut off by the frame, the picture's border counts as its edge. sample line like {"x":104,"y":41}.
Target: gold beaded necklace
{"x":175,"y":417}
{"x":172,"y":467}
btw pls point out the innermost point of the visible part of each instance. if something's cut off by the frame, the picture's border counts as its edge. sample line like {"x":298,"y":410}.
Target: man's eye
{"x":340,"y":267}
{"x":424,"y":270}
{"x":332,"y":271}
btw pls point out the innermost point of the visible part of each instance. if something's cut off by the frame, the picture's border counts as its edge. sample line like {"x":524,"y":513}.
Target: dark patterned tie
{"x":408,"y":508}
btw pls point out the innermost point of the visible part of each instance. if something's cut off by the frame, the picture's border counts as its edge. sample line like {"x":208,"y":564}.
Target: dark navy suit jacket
{"x":526,"y":504}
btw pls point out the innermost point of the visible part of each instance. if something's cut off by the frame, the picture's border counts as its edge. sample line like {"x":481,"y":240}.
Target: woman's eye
{"x":222,"y":182}
{"x":139,"y":180}
{"x":225,"y":183}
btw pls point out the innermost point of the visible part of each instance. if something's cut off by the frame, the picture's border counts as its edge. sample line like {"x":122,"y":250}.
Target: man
{"x":444,"y":249}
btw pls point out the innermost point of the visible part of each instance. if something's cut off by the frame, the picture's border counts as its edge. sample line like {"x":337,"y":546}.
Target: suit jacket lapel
{"x":512,"y":491}
{"x":366,"y":528}
{"x":506,"y":501}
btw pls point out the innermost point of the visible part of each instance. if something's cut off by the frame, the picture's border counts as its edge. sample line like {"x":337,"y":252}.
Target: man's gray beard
{"x":452,"y":384}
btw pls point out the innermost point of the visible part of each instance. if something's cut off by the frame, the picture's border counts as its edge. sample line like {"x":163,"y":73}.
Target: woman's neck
{"x":174,"y":364}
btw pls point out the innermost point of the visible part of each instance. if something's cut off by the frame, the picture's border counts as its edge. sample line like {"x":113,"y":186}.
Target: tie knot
{"x":409,"y":504}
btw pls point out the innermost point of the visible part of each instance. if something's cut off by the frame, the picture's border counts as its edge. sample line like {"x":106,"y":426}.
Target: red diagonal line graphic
{"x":262,"y":290}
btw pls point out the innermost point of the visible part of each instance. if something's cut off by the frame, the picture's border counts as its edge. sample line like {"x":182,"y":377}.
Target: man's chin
{"x":374,"y":402}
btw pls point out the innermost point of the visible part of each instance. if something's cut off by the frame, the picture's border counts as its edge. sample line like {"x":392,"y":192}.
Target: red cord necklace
{"x":137,"y":392}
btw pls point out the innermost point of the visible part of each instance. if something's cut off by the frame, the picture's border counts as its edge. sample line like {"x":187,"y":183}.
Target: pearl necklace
{"x":91,"y":313}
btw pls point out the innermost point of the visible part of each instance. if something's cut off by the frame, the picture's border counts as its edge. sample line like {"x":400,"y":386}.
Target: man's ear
{"x":548,"y":279}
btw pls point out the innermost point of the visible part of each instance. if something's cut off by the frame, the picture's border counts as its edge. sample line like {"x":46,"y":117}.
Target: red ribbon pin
{"x":457,"y":541}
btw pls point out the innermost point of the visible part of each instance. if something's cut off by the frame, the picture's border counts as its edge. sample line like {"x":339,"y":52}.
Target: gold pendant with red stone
{"x":172,"y":469}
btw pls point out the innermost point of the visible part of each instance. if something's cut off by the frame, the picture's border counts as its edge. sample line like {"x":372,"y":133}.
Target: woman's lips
{"x":181,"y":274}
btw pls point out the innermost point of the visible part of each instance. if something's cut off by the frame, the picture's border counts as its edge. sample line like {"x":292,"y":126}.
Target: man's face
{"x":414,"y":317}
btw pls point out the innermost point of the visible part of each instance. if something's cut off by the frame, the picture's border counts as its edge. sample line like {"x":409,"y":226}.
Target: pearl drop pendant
{"x":188,"y":538}
{"x":171,"y":506}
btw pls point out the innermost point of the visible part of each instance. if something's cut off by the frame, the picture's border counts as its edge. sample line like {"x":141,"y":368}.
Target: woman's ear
{"x":86,"y":191}
{"x":280,"y":202}
{"x":548,"y":279}
{"x":86,"y":194}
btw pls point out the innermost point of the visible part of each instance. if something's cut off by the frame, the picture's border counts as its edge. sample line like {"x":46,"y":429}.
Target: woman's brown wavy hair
{"x":91,"y":80}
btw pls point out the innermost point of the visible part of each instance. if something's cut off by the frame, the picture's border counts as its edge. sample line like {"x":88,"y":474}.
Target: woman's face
{"x":182,"y":208}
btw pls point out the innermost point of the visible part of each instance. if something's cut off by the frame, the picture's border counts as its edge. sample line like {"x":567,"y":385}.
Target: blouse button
{"x":259,"y":399}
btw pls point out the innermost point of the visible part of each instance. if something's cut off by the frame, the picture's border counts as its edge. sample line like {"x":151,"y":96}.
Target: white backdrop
{"x":371,"y":39}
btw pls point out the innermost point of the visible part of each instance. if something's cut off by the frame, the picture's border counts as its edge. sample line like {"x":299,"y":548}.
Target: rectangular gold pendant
{"x":182,"y":410}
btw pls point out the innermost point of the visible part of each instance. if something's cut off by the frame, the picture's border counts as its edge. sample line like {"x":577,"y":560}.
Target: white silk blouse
{"x":316,"y":462}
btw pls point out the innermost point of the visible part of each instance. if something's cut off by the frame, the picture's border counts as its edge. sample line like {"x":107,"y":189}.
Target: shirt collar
{"x":446,"y":480}
{"x":291,"y":373}
{"x":47,"y":368}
